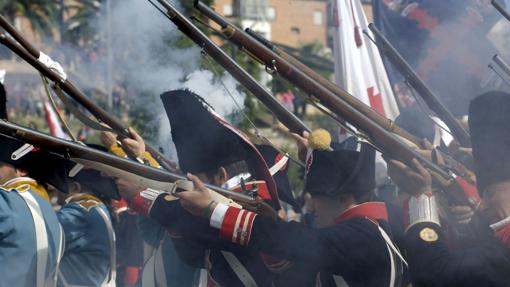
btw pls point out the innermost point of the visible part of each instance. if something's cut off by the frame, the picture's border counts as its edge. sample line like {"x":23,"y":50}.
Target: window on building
{"x":271,"y":13}
{"x":295,"y":30}
{"x":317,"y":17}
{"x":227,"y":10}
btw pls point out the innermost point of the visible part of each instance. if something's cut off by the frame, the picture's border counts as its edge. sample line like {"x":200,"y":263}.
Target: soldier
{"x":31,"y":239}
{"x":353,"y":243}
{"x":89,"y":258}
{"x":161,"y":266}
{"x":486,"y":260}
{"x":221,"y":155}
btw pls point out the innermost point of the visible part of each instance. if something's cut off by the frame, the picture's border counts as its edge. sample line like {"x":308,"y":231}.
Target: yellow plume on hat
{"x":319,"y":139}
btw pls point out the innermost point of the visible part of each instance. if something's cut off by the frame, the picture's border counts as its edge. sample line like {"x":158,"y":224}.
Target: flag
{"x":359,"y":68}
{"x":54,"y":122}
{"x":449,"y":43}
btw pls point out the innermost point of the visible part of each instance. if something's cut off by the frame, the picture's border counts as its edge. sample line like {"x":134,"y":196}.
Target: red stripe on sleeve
{"x":248,"y":229}
{"x":228,"y":225}
{"x":239,"y":231}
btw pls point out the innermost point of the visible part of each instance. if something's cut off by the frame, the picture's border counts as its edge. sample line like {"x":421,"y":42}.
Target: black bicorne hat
{"x":278,"y":165}
{"x":44,"y":167}
{"x":205,"y":142}
{"x":489,"y":119}
{"x":343,"y":170}
{"x":99,"y":184}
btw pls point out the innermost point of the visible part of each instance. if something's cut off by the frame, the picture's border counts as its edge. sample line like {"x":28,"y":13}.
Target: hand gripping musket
{"x":432,"y":101}
{"x":130,"y":170}
{"x":389,"y":125}
{"x":387,"y":142}
{"x":287,"y":118}
{"x":31,"y":55}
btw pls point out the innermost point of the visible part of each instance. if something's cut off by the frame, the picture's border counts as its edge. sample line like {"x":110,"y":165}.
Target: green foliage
{"x":40,"y":13}
{"x":78,"y":28}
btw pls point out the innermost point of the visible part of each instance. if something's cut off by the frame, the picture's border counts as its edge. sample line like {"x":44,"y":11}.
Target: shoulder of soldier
{"x":85,"y":201}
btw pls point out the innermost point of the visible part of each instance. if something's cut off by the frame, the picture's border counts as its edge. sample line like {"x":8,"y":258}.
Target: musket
{"x":502,"y":64}
{"x":386,"y":142}
{"x":388,"y":124}
{"x":30,"y":54}
{"x":432,"y":101}
{"x":287,"y":118}
{"x":130,"y":170}
{"x":501,"y":9}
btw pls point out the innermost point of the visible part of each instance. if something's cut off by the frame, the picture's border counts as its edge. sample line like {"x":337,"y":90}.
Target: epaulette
{"x":85,"y":201}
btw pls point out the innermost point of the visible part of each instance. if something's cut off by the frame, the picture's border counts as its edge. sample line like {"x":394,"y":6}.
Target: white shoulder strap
{"x":239,"y":269}
{"x":41,"y":237}
{"x":391,"y":250}
{"x":339,"y":281}
{"x":159,"y":266}
{"x":60,"y":253}
{"x":110,"y":278}
{"x":148,"y":271}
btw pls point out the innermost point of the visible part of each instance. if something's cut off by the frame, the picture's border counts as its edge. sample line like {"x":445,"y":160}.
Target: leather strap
{"x":110,"y":278}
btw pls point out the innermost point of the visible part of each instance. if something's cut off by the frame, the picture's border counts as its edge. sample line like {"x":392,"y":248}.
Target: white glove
{"x":2,"y":76}
{"x":53,"y":65}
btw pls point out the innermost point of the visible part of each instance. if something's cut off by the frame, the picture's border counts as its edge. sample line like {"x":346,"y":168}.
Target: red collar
{"x":371,"y":210}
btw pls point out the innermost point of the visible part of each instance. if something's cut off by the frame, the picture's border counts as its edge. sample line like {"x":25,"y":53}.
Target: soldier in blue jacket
{"x":89,"y":258}
{"x":31,"y":239}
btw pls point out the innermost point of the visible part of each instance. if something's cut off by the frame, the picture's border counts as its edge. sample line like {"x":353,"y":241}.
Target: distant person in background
{"x":287,"y":99}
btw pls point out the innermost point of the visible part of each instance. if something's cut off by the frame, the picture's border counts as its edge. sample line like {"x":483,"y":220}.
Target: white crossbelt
{"x":148,"y":272}
{"x":340,"y":282}
{"x":60,"y":253}
{"x":110,"y":278}
{"x":239,"y":269}
{"x":41,"y":236}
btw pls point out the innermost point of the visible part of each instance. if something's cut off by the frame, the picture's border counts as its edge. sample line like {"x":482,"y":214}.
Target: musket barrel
{"x":77,"y":95}
{"x":386,"y":123}
{"x":16,"y":35}
{"x":286,"y":117}
{"x":387,"y":142}
{"x":68,"y":149}
{"x":502,"y":64}
{"x":500,"y":9}
{"x":432,"y":101}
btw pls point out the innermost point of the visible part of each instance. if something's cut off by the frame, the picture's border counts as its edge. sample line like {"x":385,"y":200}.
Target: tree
{"x":40,"y":13}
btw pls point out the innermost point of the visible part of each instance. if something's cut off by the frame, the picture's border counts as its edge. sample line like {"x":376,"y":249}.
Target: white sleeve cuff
{"x":151,"y":194}
{"x":423,"y":209}
{"x":218,"y":215}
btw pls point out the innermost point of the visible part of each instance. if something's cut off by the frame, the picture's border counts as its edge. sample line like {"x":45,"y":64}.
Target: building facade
{"x":292,"y":23}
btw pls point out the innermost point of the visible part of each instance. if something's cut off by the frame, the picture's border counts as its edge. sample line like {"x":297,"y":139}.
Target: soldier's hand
{"x":134,"y":145}
{"x":302,"y":143}
{"x":198,"y":201}
{"x":462,"y":215}
{"x":414,"y":179}
{"x":108,"y":139}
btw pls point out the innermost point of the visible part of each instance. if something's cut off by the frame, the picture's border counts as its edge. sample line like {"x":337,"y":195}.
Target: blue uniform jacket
{"x":18,"y":249}
{"x":177,"y":273}
{"x":86,"y":260}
